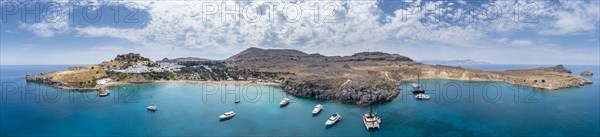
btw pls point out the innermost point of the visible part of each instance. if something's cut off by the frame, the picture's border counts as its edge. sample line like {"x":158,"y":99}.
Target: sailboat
{"x":371,"y":119}
{"x":417,"y":88}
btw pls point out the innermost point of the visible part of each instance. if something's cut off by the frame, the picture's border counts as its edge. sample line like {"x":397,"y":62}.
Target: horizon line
{"x":595,"y":65}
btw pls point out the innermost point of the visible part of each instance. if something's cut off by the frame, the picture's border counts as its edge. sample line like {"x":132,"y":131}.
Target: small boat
{"x":333,"y":119}
{"x":371,"y":120}
{"x":284,"y":102}
{"x":416,"y":88}
{"x":227,"y":115}
{"x":152,"y":107}
{"x":237,"y":101}
{"x":422,"y":96}
{"x":317,"y":109}
{"x":103,"y":92}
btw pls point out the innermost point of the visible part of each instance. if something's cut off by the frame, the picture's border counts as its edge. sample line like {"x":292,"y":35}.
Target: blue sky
{"x":504,"y":32}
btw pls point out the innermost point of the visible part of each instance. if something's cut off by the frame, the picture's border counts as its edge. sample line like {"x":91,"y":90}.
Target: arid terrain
{"x":350,"y":78}
{"x":362,"y":78}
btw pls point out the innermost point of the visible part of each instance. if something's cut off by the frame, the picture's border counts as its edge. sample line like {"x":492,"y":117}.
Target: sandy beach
{"x":219,"y":82}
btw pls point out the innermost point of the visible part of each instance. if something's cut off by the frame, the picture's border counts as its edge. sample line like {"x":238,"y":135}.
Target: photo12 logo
{"x":334,"y":11}
{"x":489,"y":92}
{"x":54,"y":11}
{"x":223,"y":93}
{"x":40,"y":93}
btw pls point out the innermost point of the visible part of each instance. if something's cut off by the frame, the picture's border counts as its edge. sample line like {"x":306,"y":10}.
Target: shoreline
{"x":112,"y":84}
{"x":246,"y":82}
{"x":218,"y":82}
{"x":328,"y":94}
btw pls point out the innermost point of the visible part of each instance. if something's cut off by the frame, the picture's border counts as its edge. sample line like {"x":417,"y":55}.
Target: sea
{"x":456,"y":108}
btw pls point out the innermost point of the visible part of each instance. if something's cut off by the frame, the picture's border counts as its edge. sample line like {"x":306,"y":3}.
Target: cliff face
{"x":42,"y":79}
{"x":351,"y":95}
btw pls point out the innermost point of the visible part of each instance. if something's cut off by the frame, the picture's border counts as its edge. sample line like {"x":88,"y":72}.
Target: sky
{"x":502,"y":32}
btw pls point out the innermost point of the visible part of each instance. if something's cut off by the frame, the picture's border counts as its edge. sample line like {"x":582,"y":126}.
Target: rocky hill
{"x":130,"y":57}
{"x":183,"y":59}
{"x":557,"y":68}
{"x":464,"y":62}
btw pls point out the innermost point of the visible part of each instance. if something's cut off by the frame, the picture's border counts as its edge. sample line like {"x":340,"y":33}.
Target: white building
{"x":162,"y":67}
{"x":103,"y":81}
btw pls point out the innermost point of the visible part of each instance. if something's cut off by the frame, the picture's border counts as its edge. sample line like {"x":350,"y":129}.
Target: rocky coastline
{"x":372,"y":95}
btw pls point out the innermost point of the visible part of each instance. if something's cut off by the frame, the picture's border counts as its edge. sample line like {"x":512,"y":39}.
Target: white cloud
{"x":522,"y":42}
{"x":574,"y":17}
{"x":54,"y":21}
{"x":181,"y":24}
{"x":178,"y":26}
{"x":502,"y":40}
{"x":46,"y":29}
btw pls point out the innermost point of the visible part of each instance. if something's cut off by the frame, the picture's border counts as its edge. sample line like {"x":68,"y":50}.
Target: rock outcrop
{"x":586,"y":73}
{"x":130,"y":57}
{"x":557,"y":68}
{"x":361,"y":96}
{"x":43,"y":79}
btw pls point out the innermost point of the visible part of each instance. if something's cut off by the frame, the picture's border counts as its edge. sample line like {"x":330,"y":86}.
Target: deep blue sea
{"x":456,"y":108}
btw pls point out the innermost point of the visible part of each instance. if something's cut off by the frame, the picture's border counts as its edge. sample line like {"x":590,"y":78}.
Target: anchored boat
{"x":371,"y":119}
{"x":317,"y":109}
{"x":103,"y":92}
{"x":333,"y":119}
{"x":226,"y":115}
{"x":152,"y":107}
{"x":422,"y":96}
{"x":284,"y":102}
{"x":416,"y":87}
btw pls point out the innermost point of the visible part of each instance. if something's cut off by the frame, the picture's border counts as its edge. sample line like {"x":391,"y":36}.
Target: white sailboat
{"x":371,"y":119}
{"x":417,"y":87}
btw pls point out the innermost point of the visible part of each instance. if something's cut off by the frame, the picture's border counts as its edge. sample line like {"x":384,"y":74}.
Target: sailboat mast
{"x":370,"y":107}
{"x":418,"y":79}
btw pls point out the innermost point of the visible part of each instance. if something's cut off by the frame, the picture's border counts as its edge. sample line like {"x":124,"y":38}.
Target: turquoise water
{"x":455,"y":108}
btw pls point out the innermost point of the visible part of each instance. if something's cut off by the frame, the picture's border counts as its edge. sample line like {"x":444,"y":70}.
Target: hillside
{"x":464,"y":62}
